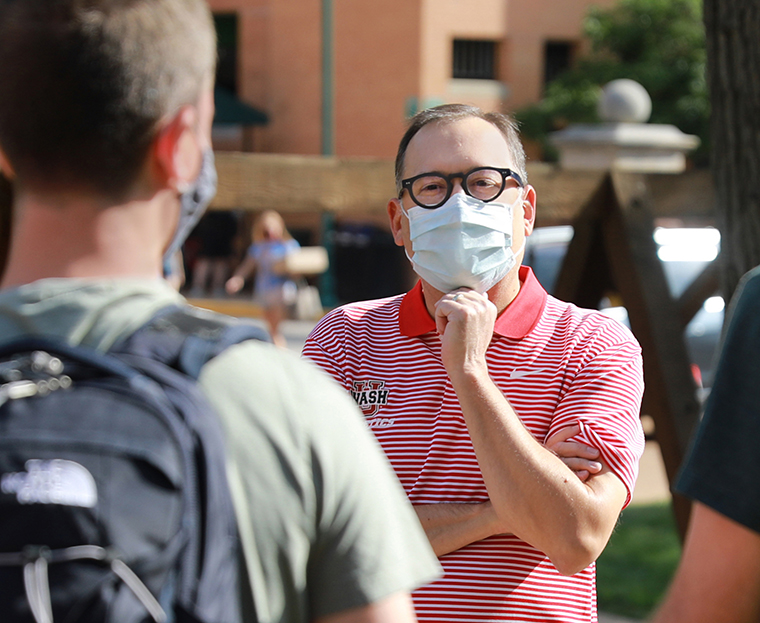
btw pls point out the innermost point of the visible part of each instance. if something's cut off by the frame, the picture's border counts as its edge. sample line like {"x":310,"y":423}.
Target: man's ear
{"x":395,"y":214}
{"x":176,"y":151}
{"x":529,"y":209}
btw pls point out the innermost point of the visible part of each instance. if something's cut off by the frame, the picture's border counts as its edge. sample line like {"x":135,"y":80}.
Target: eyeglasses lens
{"x":485,"y":184}
{"x":429,"y":190}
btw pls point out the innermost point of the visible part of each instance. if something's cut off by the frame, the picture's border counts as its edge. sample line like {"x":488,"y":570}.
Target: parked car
{"x":684,"y":253}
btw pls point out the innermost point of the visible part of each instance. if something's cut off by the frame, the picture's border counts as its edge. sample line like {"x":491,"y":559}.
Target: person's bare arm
{"x":235,"y":283}
{"x":450,"y":527}
{"x":718,"y":578}
{"x":397,"y":608}
{"x":531,"y":489}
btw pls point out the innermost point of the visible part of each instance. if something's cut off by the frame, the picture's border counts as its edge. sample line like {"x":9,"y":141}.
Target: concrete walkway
{"x":613,"y":618}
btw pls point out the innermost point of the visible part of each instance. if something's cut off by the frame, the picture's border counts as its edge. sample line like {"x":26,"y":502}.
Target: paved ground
{"x":296,"y":332}
{"x":613,"y":618}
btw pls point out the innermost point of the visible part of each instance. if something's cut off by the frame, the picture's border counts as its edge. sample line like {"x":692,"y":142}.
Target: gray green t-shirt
{"x":324,"y":523}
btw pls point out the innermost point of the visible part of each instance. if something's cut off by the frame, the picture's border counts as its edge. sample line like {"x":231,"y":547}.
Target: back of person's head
{"x":85,"y":84}
{"x":450,"y":113}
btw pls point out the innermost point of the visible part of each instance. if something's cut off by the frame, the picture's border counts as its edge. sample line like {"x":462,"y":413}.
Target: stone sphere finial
{"x":625,"y":101}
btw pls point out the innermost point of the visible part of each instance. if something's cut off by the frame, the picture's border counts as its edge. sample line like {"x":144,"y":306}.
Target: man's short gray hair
{"x":449,"y":113}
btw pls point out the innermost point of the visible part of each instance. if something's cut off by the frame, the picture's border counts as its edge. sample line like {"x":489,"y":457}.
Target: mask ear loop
{"x":403,"y":209}
{"x":406,"y":214}
{"x":520,"y":250}
{"x":521,"y":199}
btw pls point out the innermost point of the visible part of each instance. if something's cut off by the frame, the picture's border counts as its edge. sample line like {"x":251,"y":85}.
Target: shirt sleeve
{"x":325,"y":521}
{"x":603,"y":397}
{"x":723,"y":467}
{"x":370,"y":543}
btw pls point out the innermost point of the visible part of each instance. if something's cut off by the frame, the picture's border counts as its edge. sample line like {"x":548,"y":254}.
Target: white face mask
{"x":464,"y":243}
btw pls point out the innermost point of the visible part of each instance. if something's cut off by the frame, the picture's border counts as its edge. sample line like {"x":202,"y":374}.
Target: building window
{"x":558,"y":56}
{"x":227,"y":40}
{"x":474,"y":60}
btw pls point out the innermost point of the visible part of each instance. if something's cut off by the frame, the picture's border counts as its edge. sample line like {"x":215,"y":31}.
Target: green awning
{"x":232,"y":111}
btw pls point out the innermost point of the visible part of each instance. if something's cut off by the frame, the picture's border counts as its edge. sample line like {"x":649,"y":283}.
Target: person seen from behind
{"x":106,"y":109}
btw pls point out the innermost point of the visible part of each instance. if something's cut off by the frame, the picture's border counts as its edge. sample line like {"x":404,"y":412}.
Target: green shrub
{"x":635,"y":569}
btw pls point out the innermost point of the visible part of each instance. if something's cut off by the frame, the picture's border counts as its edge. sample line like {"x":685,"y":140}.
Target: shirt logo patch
{"x":370,"y":395}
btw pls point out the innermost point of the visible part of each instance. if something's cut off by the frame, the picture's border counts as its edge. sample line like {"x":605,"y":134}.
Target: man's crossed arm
{"x":533,"y":493}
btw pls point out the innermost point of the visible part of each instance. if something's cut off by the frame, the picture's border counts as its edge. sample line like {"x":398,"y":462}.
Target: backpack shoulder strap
{"x":183,"y":339}
{"x":186,"y":338}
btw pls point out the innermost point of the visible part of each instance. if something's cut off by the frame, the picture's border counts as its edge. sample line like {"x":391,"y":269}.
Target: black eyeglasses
{"x":432,"y":190}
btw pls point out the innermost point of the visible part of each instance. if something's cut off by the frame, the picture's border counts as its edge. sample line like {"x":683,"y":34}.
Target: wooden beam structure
{"x":294,"y":184}
{"x":297,"y":184}
{"x":301,"y":185}
{"x":614,"y":250}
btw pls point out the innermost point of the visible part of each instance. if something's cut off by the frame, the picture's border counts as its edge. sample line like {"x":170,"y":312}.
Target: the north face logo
{"x":52,"y":482}
{"x":370,"y":396}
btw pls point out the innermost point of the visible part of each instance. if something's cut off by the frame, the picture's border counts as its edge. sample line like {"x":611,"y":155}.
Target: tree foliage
{"x":658,"y":43}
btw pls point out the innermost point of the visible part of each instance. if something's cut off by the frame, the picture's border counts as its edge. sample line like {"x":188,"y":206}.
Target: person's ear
{"x":177,"y":152}
{"x":395,"y":215}
{"x":529,"y":209}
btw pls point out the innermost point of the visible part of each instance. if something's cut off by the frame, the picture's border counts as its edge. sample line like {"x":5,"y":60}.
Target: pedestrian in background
{"x":273,"y":289}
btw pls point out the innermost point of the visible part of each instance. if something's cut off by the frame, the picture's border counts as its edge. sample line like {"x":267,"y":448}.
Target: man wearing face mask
{"x":105,"y":131}
{"x":511,"y":418}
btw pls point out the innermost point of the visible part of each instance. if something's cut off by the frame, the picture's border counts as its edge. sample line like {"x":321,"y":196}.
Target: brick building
{"x":390,"y":59}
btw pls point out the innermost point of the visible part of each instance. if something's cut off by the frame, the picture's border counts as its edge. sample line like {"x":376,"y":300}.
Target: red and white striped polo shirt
{"x":556,"y":364}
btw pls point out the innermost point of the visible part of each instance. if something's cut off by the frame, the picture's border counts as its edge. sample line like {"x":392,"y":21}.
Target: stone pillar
{"x":624,"y":141}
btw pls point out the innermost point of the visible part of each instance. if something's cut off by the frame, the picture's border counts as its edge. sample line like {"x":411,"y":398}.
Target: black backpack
{"x":114,"y":503}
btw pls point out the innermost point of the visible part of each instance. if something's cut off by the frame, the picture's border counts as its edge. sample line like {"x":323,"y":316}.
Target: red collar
{"x":515,"y":322}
